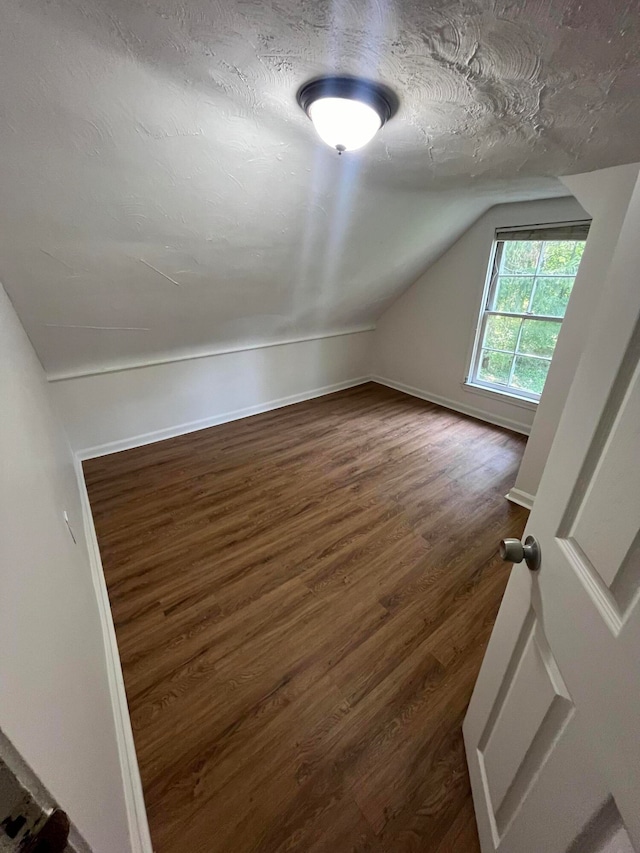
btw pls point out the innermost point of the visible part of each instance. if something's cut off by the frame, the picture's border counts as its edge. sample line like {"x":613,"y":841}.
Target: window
{"x":532,"y":273}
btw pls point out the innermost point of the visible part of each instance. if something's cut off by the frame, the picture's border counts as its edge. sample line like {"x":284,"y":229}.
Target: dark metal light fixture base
{"x":378,"y":96}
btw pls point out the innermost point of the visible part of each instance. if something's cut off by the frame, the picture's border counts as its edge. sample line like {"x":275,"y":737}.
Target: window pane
{"x":513,"y":294}
{"x":520,"y":256}
{"x":495,"y":367}
{"x":562,"y":256}
{"x":502,"y":332}
{"x":538,"y":337}
{"x":529,"y":374}
{"x":551,"y":296}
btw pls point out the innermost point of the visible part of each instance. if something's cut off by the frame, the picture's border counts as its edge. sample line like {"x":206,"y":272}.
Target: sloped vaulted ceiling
{"x":158,"y":175}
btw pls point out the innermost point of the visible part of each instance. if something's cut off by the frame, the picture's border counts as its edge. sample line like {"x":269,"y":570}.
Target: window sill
{"x":515,"y":399}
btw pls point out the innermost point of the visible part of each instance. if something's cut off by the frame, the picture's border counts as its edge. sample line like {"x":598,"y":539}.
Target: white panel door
{"x":553,"y":728}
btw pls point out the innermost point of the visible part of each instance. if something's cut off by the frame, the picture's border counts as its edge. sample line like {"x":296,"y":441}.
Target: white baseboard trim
{"x":132,"y":785}
{"x":517,"y":496}
{"x":480,"y":414}
{"x":214,"y":420}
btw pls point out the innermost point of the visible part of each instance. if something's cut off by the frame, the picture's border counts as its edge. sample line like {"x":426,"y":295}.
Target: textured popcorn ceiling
{"x":162,"y":190}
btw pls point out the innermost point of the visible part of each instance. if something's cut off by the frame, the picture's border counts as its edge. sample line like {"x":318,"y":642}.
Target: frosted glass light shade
{"x":344,"y":123}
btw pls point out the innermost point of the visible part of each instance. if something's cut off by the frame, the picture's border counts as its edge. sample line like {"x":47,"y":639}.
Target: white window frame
{"x":521,"y":396}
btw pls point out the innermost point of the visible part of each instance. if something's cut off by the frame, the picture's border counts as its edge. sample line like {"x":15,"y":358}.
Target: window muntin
{"x":527,"y":296}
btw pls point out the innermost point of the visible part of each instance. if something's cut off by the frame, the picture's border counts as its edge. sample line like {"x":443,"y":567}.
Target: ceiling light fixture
{"x":347,"y":112}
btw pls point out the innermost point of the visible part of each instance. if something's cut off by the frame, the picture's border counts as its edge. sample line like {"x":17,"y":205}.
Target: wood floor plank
{"x":463,"y":834}
{"x":302,"y":600}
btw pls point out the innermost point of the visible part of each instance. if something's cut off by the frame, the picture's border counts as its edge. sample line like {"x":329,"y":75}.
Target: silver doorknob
{"x":514,"y":551}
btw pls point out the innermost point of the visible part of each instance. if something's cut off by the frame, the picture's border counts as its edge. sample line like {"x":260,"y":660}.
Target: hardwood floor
{"x":302,"y":600}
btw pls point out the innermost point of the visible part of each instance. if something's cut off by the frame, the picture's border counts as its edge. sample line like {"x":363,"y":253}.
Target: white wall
{"x":423,"y":342}
{"x":605,"y":194}
{"x":55,"y":704}
{"x":128,"y":407}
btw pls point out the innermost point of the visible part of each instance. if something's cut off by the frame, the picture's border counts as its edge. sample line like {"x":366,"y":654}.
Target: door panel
{"x":531,"y":711}
{"x":568,"y":805}
{"x":526,"y":744}
{"x":605,"y":833}
{"x":602,"y":521}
